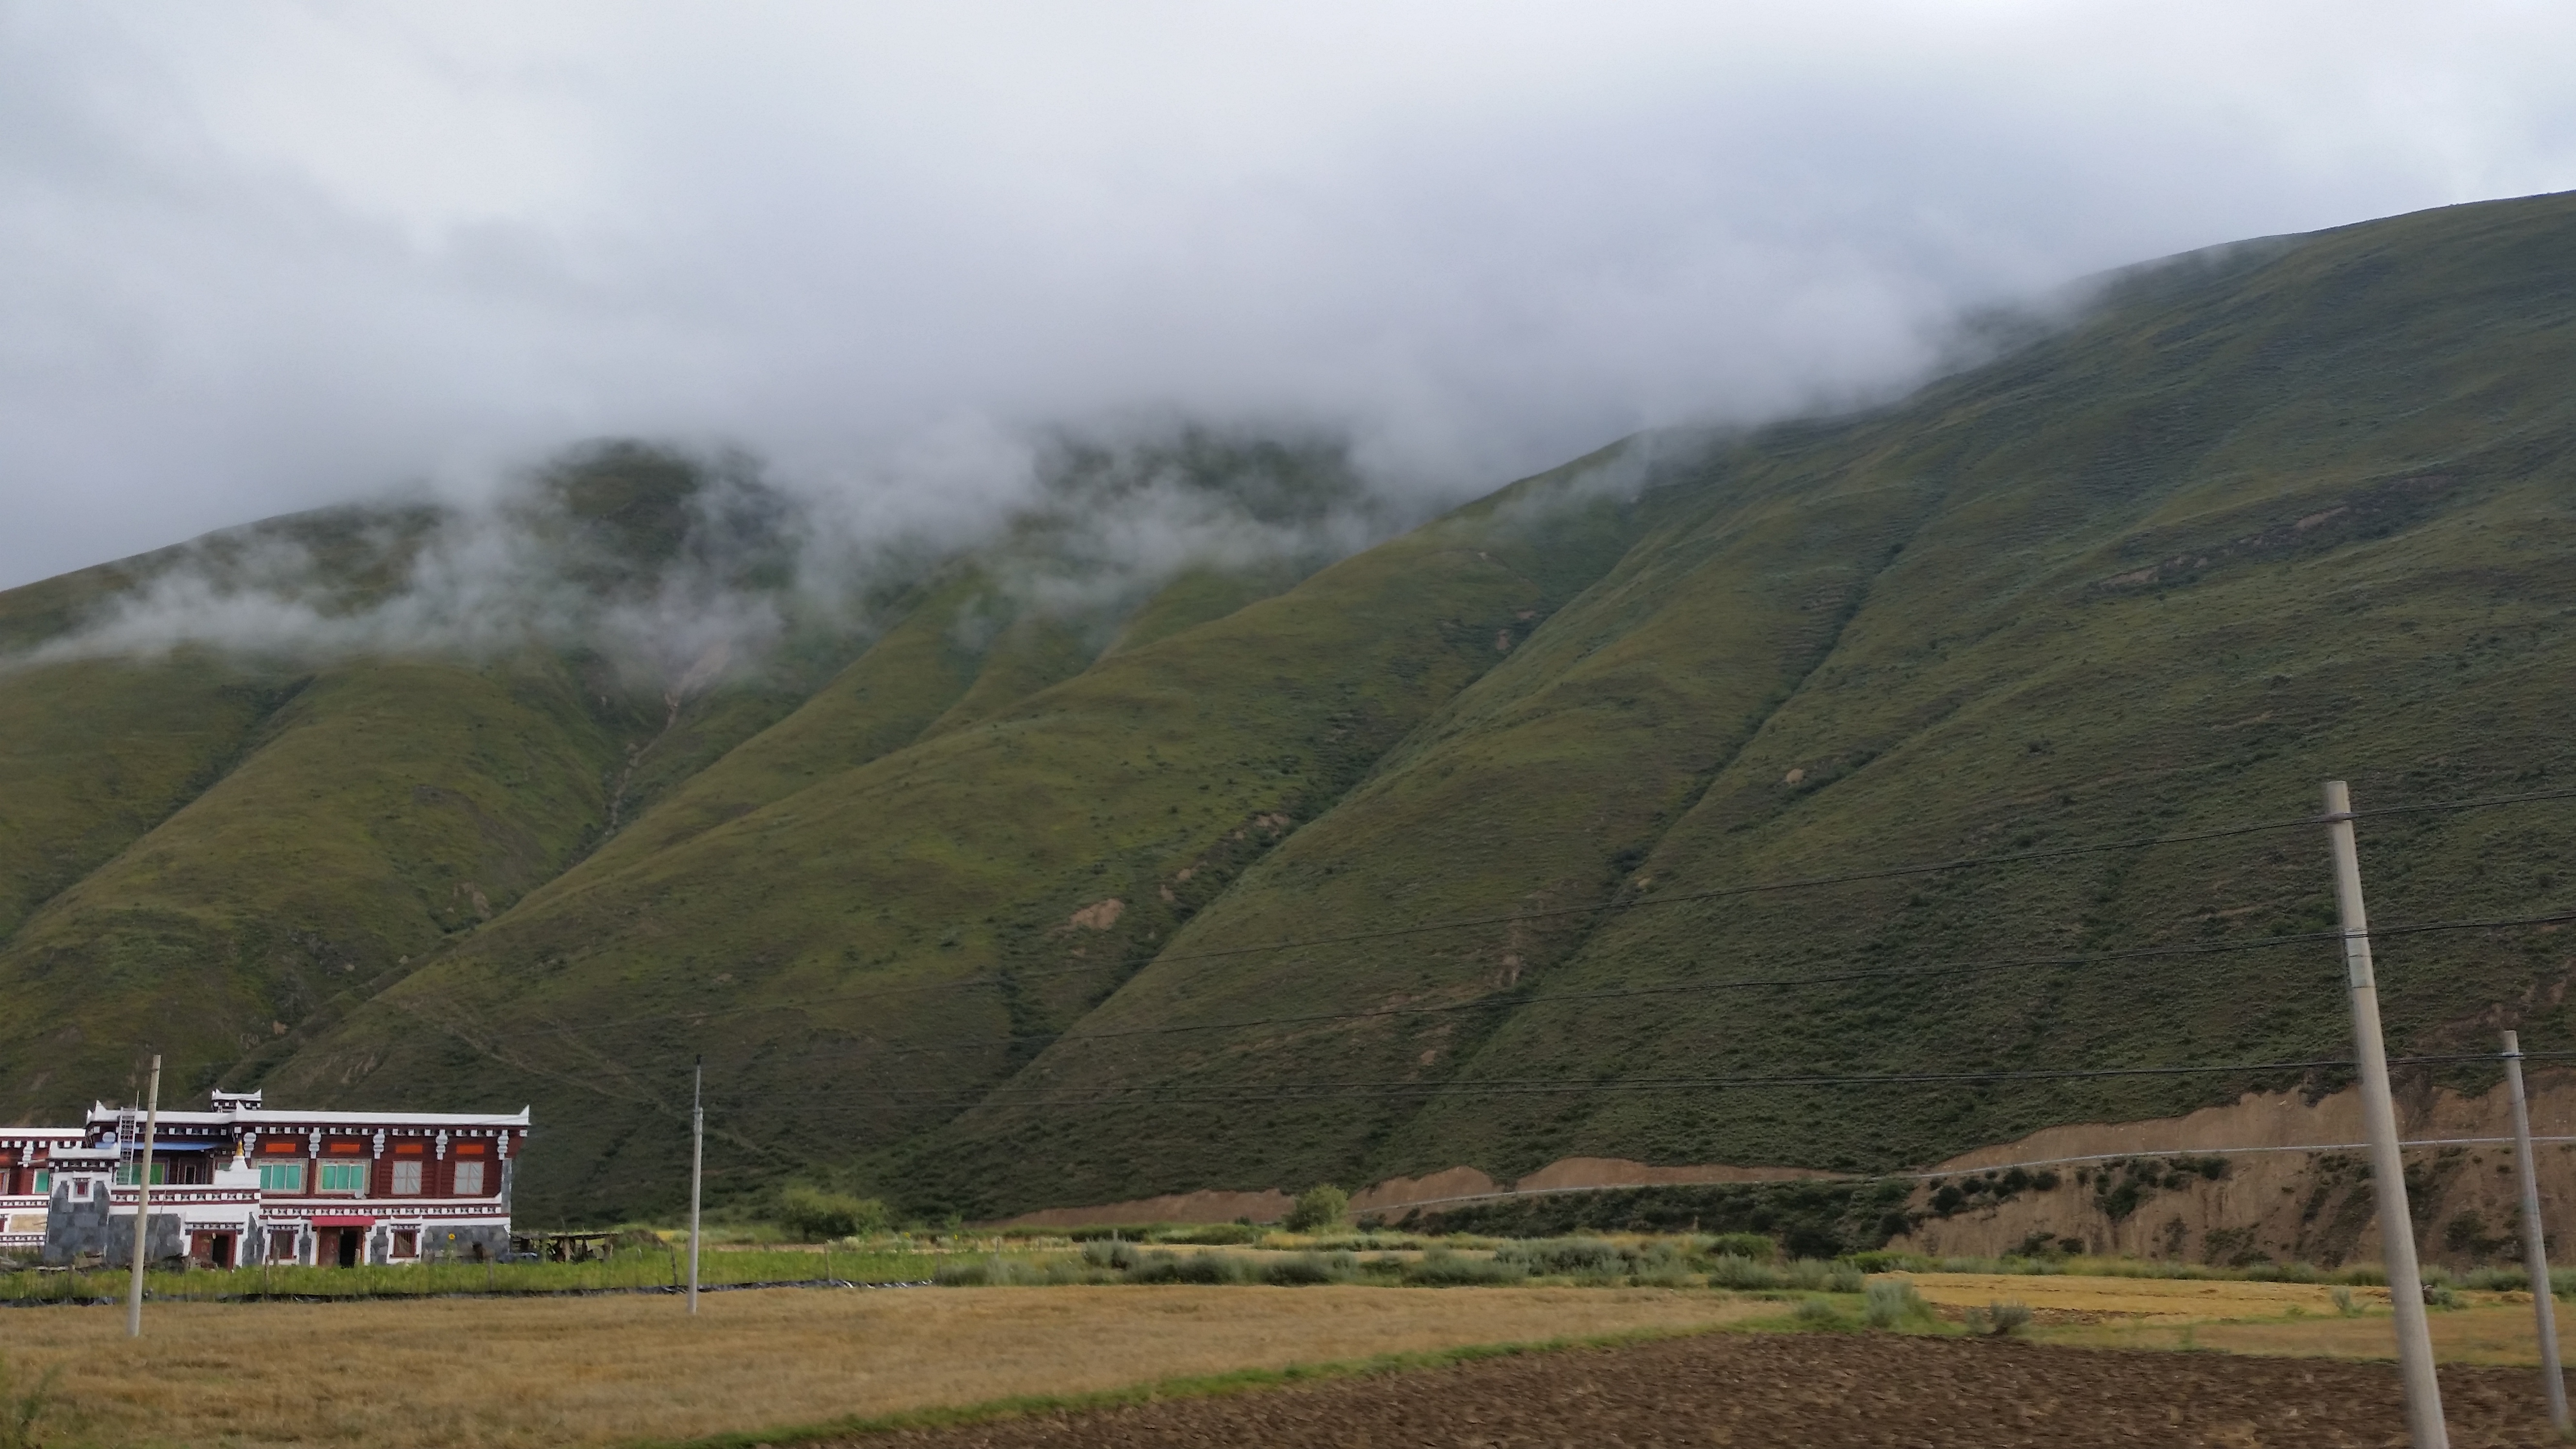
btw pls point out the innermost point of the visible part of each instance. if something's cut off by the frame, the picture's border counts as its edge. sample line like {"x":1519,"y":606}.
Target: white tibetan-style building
{"x":27,"y":1183}
{"x":241,"y":1184}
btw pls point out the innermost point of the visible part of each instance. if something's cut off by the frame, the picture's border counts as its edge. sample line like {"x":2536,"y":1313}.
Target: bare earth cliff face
{"x":2287,"y":1206}
{"x":2226,"y":1186}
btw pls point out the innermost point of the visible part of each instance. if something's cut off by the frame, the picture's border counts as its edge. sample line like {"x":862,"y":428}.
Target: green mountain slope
{"x":1536,"y":790}
{"x":381,"y":808}
{"x":2298,"y":511}
{"x":99,"y":755}
{"x":907,"y":925}
{"x":213,"y":854}
{"x":1064,"y":879}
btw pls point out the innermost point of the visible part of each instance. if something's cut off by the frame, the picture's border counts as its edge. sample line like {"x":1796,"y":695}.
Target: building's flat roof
{"x":277,"y":1117}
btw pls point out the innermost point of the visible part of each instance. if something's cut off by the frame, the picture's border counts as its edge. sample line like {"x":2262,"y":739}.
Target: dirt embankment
{"x":2158,"y":1189}
{"x":1810,"y":1389}
{"x":2174,"y":1187}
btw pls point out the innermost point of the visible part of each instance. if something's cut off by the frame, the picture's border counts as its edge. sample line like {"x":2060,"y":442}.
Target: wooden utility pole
{"x":2535,"y":1251}
{"x":143,"y":1203}
{"x":697,"y":1171}
{"x":2379,"y":1124}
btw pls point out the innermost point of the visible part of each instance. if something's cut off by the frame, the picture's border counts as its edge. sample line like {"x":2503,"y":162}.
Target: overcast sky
{"x":259,"y":257}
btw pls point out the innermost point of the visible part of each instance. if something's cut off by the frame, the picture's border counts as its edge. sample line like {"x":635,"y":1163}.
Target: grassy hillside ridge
{"x":909,"y":676}
{"x":381,"y":808}
{"x":1033,"y":859}
{"x":340,"y":558}
{"x":623,"y":619}
{"x":95,"y":753}
{"x":2195,"y":557}
{"x":2133,"y":603}
{"x":1535,"y":789}
{"x":207,"y":844}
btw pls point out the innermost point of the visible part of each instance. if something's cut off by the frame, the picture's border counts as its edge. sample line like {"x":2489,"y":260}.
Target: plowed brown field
{"x":1828,"y":1391}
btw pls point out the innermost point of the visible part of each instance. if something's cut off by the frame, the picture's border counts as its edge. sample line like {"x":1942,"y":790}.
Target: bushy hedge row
{"x":1812,"y":1219}
{"x":1664,"y":1263}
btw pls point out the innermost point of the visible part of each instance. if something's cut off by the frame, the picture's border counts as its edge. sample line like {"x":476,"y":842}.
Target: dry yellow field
{"x":2152,"y":1300}
{"x":466,"y":1373}
{"x":2482,"y":1333}
{"x":461,"y":1372}
{"x":2287,"y":1319}
{"x":2488,"y":1333}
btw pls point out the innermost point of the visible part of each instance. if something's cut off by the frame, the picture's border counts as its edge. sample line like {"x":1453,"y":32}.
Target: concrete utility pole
{"x":2379,"y":1124}
{"x":143,"y":1203}
{"x":697,"y":1171}
{"x":2535,"y":1251}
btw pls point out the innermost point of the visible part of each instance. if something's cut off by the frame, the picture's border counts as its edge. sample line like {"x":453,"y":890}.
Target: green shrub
{"x":1809,"y":1275}
{"x":1441,"y":1268}
{"x":1110,"y":1253}
{"x":1660,"y":1265}
{"x":1757,"y":1246}
{"x":1373,"y":1242}
{"x":1998,"y":1320}
{"x":1658,"y":1254}
{"x":1317,"y":1209}
{"x":1893,"y":1303}
{"x":1201,"y":1267}
{"x":1567,"y":1257}
{"x":993,"y":1272}
{"x":1300,"y":1269}
{"x":1742,"y":1274}
{"x":2343,"y":1302}
{"x":817,"y":1216}
{"x":1206,"y":1267}
{"x":1818,"y":1313}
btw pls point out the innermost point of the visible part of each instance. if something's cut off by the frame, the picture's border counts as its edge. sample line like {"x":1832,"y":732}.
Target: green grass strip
{"x":1200,"y":1386}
